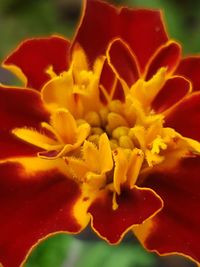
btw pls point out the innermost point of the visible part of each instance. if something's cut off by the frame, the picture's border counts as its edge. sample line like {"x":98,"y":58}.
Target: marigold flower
{"x":106,"y":129}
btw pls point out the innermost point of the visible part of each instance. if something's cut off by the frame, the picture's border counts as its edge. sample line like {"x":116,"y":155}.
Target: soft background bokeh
{"x":20,"y":19}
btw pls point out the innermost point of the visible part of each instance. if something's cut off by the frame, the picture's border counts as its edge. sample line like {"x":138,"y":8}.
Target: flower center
{"x":104,"y":144}
{"x":128,"y":127}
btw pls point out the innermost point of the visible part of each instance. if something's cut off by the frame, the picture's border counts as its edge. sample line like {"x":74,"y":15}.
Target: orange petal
{"x":36,"y":199}
{"x":176,"y":228}
{"x":34,"y":56}
{"x":134,"y":206}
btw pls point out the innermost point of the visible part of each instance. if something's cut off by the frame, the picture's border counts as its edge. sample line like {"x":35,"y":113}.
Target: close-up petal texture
{"x":105,"y":132}
{"x":32,"y":59}
{"x":34,"y":204}
{"x":176,"y":227}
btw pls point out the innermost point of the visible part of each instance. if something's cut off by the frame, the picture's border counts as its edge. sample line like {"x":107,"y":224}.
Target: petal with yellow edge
{"x":19,"y":108}
{"x":134,"y":206}
{"x":107,"y":83}
{"x":103,"y":138}
{"x":173,"y":91}
{"x":167,"y":56}
{"x":123,"y":61}
{"x":11,"y":146}
{"x":175,"y":229}
{"x":189,"y":111}
{"x":58,"y":93}
{"x":34,"y":57}
{"x":37,"y":199}
{"x":189,"y":68}
{"x":142,"y":29}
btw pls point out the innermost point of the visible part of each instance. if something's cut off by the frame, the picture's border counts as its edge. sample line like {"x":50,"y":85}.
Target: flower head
{"x":105,"y":129}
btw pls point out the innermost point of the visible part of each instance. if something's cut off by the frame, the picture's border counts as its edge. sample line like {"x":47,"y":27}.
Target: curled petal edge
{"x":129,"y":228}
{"x":133,"y":58}
{"x":157,"y":52}
{"x":142,"y":242}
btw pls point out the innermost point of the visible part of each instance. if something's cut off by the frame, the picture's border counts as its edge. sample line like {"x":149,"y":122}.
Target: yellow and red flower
{"x":106,"y":129}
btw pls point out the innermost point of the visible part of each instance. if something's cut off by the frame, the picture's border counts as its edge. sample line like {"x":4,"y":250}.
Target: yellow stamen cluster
{"x":104,"y":145}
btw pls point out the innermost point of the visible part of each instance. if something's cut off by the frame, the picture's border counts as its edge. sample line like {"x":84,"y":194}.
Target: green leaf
{"x":50,"y":252}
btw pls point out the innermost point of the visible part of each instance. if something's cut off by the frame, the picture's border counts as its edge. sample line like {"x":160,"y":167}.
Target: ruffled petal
{"x":36,"y":199}
{"x":167,"y":56}
{"x":176,"y":228}
{"x":174,"y":90}
{"x":134,"y":206}
{"x":32,"y":59}
{"x":143,"y":30}
{"x":185,"y":117}
{"x":123,"y":61}
{"x":189,"y":68}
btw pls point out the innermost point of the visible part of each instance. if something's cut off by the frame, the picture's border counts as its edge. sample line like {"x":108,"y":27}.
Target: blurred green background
{"x":20,"y":19}
{"x":27,"y":18}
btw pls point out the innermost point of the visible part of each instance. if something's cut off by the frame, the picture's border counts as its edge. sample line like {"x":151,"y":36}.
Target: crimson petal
{"x":19,"y":108}
{"x":33,"y":204}
{"x":11,"y":146}
{"x":107,"y":80}
{"x":33,"y":57}
{"x":110,"y":86}
{"x":185,"y":117}
{"x":189,"y":68}
{"x":175,"y":89}
{"x":143,"y":30}
{"x":167,"y":55}
{"x":123,"y":61}
{"x":134,"y":206}
{"x":176,"y":228}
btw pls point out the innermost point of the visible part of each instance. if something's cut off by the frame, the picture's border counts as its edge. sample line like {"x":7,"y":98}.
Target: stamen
{"x":105,"y":145}
{"x":93,"y":119}
{"x":157,"y":145}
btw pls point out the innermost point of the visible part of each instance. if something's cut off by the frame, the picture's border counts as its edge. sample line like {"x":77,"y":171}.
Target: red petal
{"x":21,"y":107}
{"x":185,"y":117}
{"x":107,"y":80}
{"x":143,"y":30}
{"x":18,"y":108}
{"x":11,"y":147}
{"x":112,"y":87}
{"x":119,"y":92}
{"x":123,"y":61}
{"x":176,"y":227}
{"x":34,"y":56}
{"x":166,"y":56}
{"x":190,"y":68}
{"x":172,"y":92}
{"x":134,"y":206}
{"x":33,"y":204}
